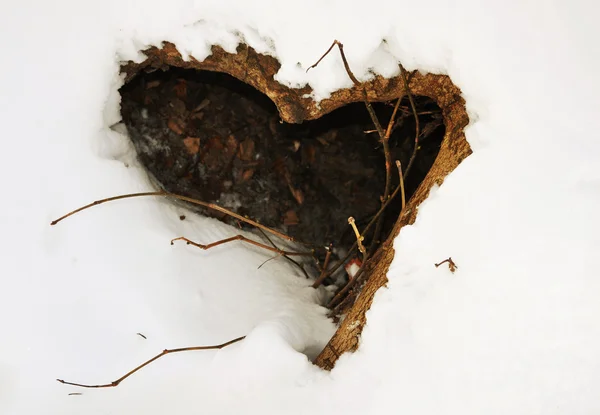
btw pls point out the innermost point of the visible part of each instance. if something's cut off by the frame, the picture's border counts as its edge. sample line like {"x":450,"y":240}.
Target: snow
{"x":515,"y":330}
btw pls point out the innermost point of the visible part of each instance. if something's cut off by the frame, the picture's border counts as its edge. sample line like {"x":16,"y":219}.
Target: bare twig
{"x":356,"y":82}
{"x":239,"y":238}
{"x":285,"y":256}
{"x":402,"y":194}
{"x":141,"y":335}
{"x":267,"y":260}
{"x":451,"y":265}
{"x":359,"y":237}
{"x":146,"y":363}
{"x":417,"y":126}
{"x":186,"y":199}
{"x":323,"y":275}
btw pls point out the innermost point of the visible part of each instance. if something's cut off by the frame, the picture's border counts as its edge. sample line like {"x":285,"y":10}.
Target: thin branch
{"x":417,"y":126}
{"x":359,"y":238}
{"x":356,"y":82}
{"x":239,"y":238}
{"x":186,"y":199}
{"x":285,"y":256}
{"x":323,"y":275}
{"x":402,"y":194}
{"x":388,"y":173}
{"x":340,"y":295}
{"x":451,"y":264}
{"x":267,"y":260}
{"x":335,"y":42}
{"x":146,"y":363}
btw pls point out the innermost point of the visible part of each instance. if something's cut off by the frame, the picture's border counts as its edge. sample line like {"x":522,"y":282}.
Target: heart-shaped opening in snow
{"x":208,"y":136}
{"x":212,"y":134}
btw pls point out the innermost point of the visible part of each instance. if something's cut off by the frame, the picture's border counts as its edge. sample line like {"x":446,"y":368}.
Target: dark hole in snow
{"x":209,"y":136}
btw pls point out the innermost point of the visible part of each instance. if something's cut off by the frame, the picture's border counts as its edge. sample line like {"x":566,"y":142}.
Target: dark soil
{"x":211,"y":137}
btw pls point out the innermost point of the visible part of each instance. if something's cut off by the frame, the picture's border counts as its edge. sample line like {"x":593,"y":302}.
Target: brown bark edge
{"x":296,"y":106}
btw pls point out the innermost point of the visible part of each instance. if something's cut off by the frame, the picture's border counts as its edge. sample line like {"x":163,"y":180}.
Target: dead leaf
{"x":246,"y":175}
{"x":152,"y":84}
{"x":181,"y":88}
{"x":192,"y":144}
{"x":205,"y":102}
{"x":176,"y":125}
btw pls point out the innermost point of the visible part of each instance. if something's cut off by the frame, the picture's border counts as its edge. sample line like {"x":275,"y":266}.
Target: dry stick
{"x":354,"y":81}
{"x":146,"y":363}
{"x":323,"y":275}
{"x":237,"y":238}
{"x":285,"y":256}
{"x":388,"y":182}
{"x":417,"y":127}
{"x":267,"y":260}
{"x":340,"y":295}
{"x":186,"y":199}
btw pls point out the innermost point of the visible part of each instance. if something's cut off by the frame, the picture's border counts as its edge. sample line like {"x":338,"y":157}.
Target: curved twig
{"x":186,"y":199}
{"x":147,"y":362}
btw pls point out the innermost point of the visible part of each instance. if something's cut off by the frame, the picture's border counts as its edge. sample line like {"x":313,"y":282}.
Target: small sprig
{"x":359,"y":238}
{"x":451,"y":265}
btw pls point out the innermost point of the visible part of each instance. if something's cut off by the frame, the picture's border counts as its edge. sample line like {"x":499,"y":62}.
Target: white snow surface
{"x":516,"y":330}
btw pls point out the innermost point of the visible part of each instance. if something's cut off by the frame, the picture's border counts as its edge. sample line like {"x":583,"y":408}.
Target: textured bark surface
{"x":295,"y":107}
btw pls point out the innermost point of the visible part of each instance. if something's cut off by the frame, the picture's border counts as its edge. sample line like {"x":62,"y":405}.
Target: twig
{"x":141,"y":335}
{"x":267,"y":260}
{"x":340,"y":295}
{"x":323,"y":275}
{"x":385,"y":140}
{"x":146,"y":363}
{"x":359,"y":238}
{"x":402,"y":194}
{"x":355,"y":82}
{"x":239,"y":238}
{"x":186,"y":199}
{"x":285,"y":256}
{"x":417,"y":126}
{"x":451,"y":265}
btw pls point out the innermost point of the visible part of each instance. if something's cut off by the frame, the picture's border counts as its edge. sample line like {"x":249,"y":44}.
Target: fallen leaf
{"x":192,"y":144}
{"x":205,"y":102}
{"x":176,"y":125}
{"x":247,"y":174}
{"x":181,"y":88}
